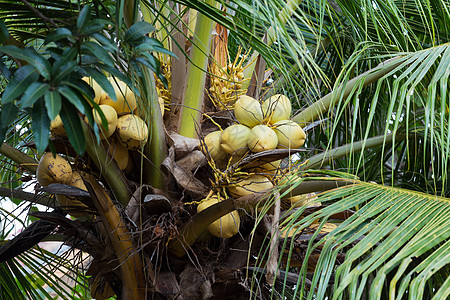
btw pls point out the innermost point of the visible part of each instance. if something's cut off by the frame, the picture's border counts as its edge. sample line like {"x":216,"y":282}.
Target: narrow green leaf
{"x":87,"y":92}
{"x":75,"y":98}
{"x":105,"y":42}
{"x":59,"y":34}
{"x":88,"y":59}
{"x":138,"y":30}
{"x":83,"y":17}
{"x":102,"y":80}
{"x":5,"y":71}
{"x":116,"y":73}
{"x":4,"y":34}
{"x":2,"y":134}
{"x":151,"y":44}
{"x":35,"y":91}
{"x":31,"y":56}
{"x":9,"y":114}
{"x":94,"y":26}
{"x":72,"y":124}
{"x":23,"y":77}
{"x":67,"y":55}
{"x":52,"y":103}
{"x":64,"y":70}
{"x":153,"y":62}
{"x":98,"y":51}
{"x":40,"y":126}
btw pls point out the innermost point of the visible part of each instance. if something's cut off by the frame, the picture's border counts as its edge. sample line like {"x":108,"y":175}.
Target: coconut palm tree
{"x":359,"y":211}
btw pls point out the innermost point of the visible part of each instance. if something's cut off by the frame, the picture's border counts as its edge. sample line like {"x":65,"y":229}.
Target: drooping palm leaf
{"x":395,"y":242}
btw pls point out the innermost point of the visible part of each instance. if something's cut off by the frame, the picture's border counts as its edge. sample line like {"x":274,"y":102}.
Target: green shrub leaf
{"x":52,"y":103}
{"x":40,"y":126}
{"x":102,"y":80}
{"x":59,"y":34}
{"x":4,"y":34}
{"x":33,"y":93}
{"x":72,"y":125}
{"x":63,"y":71}
{"x":138,"y":30}
{"x":9,"y":114}
{"x":83,"y":17}
{"x":31,"y":56}
{"x":74,"y":97}
{"x":98,"y":51}
{"x":23,"y":77}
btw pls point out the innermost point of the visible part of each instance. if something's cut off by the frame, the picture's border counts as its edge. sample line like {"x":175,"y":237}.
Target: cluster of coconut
{"x":262,"y":127}
{"x":55,"y":169}
{"x":125,"y":130}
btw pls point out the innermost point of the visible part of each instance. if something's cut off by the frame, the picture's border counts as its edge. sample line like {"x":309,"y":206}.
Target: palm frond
{"x":395,"y":243}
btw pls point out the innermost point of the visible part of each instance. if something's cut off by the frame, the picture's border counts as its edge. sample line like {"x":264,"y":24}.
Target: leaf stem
{"x":321,"y":106}
{"x":25,"y":161}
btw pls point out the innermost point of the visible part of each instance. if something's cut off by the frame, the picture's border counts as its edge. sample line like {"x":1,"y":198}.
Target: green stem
{"x":190,"y":115}
{"x":156,"y":149}
{"x":25,"y":161}
{"x":323,"y":105}
{"x":130,"y":262}
{"x":114,"y":177}
{"x":327,"y":157}
{"x":200,"y":222}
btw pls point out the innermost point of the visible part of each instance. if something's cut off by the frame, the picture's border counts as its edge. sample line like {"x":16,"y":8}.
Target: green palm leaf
{"x":396,"y":242}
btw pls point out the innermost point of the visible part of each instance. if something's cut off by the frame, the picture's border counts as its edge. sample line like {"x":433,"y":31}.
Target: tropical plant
{"x":360,"y":211}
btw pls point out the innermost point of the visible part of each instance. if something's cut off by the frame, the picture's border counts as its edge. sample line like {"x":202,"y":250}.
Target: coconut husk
{"x":181,"y":145}
{"x":192,"y":161}
{"x":183,"y":177}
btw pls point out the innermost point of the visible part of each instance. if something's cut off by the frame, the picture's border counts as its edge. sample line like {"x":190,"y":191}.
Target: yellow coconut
{"x":53,"y":170}
{"x":211,"y":144}
{"x":98,"y":91}
{"x":233,"y":139}
{"x":57,"y":127}
{"x":251,"y":184}
{"x":126,"y":101}
{"x":73,"y":205}
{"x":290,"y":134}
{"x":247,"y":111}
{"x":132,"y":132}
{"x":276,"y":108}
{"x":111,"y":118}
{"x":304,"y":199}
{"x":225,"y":227}
{"x":270,"y":169}
{"x":327,"y":228}
{"x":119,"y":153}
{"x":262,"y":138}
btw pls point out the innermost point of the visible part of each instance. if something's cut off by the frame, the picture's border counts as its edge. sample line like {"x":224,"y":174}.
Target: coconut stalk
{"x":25,"y":196}
{"x":130,"y":262}
{"x":114,"y":177}
{"x":327,"y":157}
{"x":25,"y":161}
{"x":190,"y":115}
{"x":200,"y":222}
{"x":321,"y":106}
{"x":156,"y":148}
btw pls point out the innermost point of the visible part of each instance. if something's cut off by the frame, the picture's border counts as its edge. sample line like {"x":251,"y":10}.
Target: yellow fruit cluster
{"x":262,"y":127}
{"x":55,"y":169}
{"x":226,"y":82}
{"x":225,"y":227}
{"x":124,"y":131}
